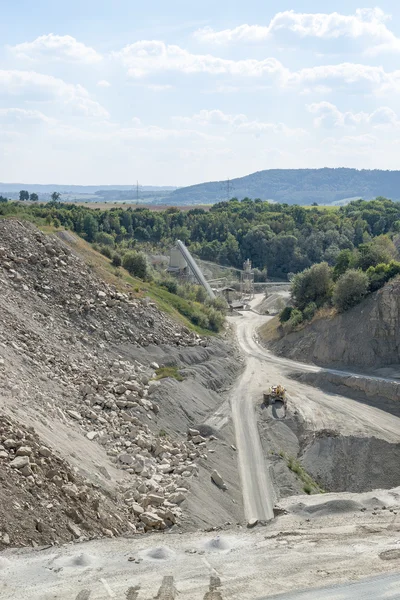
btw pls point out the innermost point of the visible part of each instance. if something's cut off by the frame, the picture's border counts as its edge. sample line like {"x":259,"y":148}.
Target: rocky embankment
{"x":367,"y":336}
{"x":82,"y":453}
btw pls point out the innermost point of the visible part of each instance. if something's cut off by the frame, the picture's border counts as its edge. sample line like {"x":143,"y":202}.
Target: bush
{"x":296,"y":317}
{"x":215,"y":319}
{"x":218,"y":303}
{"x":350,"y":289}
{"x":106,"y":251}
{"x":380,"y":274}
{"x":201,"y":294}
{"x":104,"y":239}
{"x":136,"y":264}
{"x":116,"y":260}
{"x":285,"y":314}
{"x":309,"y":311}
{"x":312,"y":285}
{"x":170,"y":285}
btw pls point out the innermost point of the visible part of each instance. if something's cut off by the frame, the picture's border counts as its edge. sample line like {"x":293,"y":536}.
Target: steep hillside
{"x":88,"y":444}
{"x":367,"y":336}
{"x":296,"y":186}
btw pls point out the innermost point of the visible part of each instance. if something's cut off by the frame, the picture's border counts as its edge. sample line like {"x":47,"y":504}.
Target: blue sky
{"x":101,"y":92}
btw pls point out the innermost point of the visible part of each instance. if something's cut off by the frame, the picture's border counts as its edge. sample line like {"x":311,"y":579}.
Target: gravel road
{"x":321,"y":411}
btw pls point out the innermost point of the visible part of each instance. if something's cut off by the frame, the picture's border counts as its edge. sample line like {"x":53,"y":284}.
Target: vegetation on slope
{"x":277,"y":238}
{"x":356,"y":273}
{"x":297,"y":186}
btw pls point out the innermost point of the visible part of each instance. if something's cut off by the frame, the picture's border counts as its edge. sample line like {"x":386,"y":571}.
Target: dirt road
{"x":321,"y":411}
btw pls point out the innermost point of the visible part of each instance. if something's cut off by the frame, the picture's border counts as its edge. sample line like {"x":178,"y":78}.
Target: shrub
{"x":136,"y":264}
{"x":164,"y":372}
{"x":380,"y":274}
{"x":116,"y":260}
{"x":350,"y":289}
{"x":285,"y":314}
{"x":312,"y":285}
{"x":104,"y":239}
{"x":296,"y":317}
{"x":215,"y":319}
{"x":170,"y":285}
{"x":201,"y":294}
{"x":106,"y":251}
{"x":309,"y":311}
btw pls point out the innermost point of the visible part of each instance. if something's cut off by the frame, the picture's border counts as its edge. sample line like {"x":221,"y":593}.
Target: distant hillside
{"x":296,"y":186}
{"x":90,"y":193}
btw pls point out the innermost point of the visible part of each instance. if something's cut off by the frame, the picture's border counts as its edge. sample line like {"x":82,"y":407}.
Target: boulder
{"x":10,"y":443}
{"x":155,"y":499}
{"x":74,"y":415}
{"x":19,"y":462}
{"x":217,"y":479}
{"x":43,"y":451}
{"x":126,"y":459}
{"x":24,"y":451}
{"x":152,"y":520}
{"x":136,"y":508}
{"x":176,"y":497}
{"x":120,"y":389}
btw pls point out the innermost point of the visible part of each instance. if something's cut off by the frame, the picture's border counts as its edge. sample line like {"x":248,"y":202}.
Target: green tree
{"x":3,"y":199}
{"x":312,"y":285}
{"x":90,"y":227}
{"x":380,"y":250}
{"x":55,"y":196}
{"x":284,"y":316}
{"x":24,"y":195}
{"x":136,"y":264}
{"x":33,"y":197}
{"x":105,"y":239}
{"x":350,"y":289}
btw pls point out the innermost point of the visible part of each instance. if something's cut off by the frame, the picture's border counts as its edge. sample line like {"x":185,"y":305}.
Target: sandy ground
{"x":341,"y":539}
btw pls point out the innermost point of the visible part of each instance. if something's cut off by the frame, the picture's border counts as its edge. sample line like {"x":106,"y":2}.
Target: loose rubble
{"x":60,"y":360}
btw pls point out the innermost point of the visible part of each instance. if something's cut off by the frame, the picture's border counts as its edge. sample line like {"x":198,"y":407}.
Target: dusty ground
{"x":323,"y":540}
{"x":344,"y":444}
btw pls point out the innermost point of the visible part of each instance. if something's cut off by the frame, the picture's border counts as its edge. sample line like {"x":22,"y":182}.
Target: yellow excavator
{"x":275,"y":393}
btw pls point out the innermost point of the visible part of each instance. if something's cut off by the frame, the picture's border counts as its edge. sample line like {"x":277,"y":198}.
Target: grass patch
{"x":164,"y":372}
{"x":178,"y":308}
{"x":310,"y":486}
{"x":271,"y":330}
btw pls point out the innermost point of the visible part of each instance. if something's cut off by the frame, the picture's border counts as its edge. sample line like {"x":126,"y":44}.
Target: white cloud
{"x":366,"y":24}
{"x":329,"y":116}
{"x":103,"y":83}
{"x":36,"y":86}
{"x":56,"y":47}
{"x":19,"y":115}
{"x":149,"y":56}
{"x":114,"y":133}
{"x":239,"y":123}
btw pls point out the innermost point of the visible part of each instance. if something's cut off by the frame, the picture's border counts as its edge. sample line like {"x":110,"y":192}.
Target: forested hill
{"x":296,"y":186}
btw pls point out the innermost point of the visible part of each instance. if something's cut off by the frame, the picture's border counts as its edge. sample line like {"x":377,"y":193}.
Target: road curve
{"x":347,"y":416}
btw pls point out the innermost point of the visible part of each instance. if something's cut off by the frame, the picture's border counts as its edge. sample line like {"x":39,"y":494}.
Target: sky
{"x":176,"y":93}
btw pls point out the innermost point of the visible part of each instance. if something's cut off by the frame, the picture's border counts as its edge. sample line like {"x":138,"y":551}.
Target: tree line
{"x":279,"y":238}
